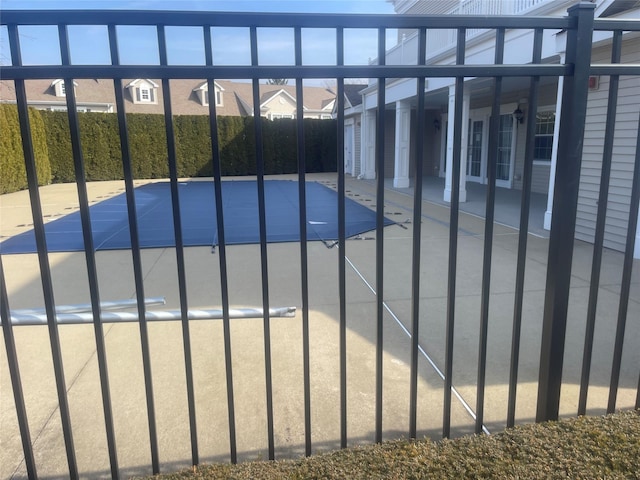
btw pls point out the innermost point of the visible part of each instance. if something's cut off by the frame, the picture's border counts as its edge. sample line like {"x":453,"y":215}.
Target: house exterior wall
{"x":434,"y":144}
{"x":518,"y":43}
{"x":357,"y":142}
{"x":279,"y":106}
{"x":626,"y":130}
{"x":541,"y":170}
{"x":389,"y":143}
{"x":431,"y":145}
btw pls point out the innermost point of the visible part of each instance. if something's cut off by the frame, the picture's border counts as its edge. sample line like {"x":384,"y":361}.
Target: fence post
{"x":565,"y":201}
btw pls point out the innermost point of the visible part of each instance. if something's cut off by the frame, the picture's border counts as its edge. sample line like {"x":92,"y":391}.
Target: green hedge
{"x":147,"y":145}
{"x":100,"y":142}
{"x":13,"y":175}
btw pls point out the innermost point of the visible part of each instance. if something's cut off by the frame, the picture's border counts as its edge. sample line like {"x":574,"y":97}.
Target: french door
{"x":504,"y":161}
{"x":475,"y":151}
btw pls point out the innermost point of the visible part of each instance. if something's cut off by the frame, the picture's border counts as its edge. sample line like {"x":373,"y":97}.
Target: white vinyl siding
{"x":623,"y":153}
{"x":541,"y":170}
{"x":357,"y":141}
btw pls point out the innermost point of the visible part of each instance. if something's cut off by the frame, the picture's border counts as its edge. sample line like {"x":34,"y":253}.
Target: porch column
{"x":463,"y":144}
{"x":368,"y":148}
{"x":636,"y":250}
{"x":554,"y":151}
{"x":403,"y":136}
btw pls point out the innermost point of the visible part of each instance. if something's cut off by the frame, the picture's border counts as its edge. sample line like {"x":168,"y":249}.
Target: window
{"x":59,"y":87}
{"x":143,"y":91}
{"x":145,"y":94}
{"x":505,"y":141}
{"x":545,"y":123}
{"x":281,"y":115}
{"x":205,"y":98}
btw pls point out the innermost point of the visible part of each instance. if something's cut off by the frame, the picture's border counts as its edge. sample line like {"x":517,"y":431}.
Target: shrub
{"x":13,"y":175}
{"x":147,"y":145}
{"x":193,"y":146}
{"x":100,"y":146}
{"x":59,"y":146}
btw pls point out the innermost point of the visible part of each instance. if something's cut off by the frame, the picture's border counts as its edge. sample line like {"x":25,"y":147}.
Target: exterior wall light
{"x":518,"y":114}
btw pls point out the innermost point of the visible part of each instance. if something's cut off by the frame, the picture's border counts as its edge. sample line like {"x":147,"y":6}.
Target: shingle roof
{"x":184,"y":101}
{"x":352,"y":92}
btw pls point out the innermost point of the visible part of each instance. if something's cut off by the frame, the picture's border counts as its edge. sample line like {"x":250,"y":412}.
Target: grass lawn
{"x":585,"y":447}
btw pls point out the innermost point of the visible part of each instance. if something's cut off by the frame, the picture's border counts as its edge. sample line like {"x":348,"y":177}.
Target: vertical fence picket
{"x":89,"y":249}
{"x":342,"y":288}
{"x":304,"y":256}
{"x":488,"y":233}
{"x":16,"y":382}
{"x":43,"y":256}
{"x":417,"y":242}
{"x":523,"y":235}
{"x":135,"y":252}
{"x":380,"y":142}
{"x":625,"y":286}
{"x":222,"y":250}
{"x":453,"y":236}
{"x":563,"y":224}
{"x":260,"y":172}
{"x":177,"y":232}
{"x":601,"y":218}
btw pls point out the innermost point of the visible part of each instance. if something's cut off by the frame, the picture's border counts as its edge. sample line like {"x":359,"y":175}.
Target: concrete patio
{"x":508,"y":201}
{"x":203,"y":285}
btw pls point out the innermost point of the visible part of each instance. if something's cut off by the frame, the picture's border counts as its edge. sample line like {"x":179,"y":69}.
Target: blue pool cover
{"x":110,"y":225}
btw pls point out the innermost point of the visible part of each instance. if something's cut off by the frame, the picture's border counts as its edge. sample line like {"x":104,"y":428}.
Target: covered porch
{"x":507,"y":202}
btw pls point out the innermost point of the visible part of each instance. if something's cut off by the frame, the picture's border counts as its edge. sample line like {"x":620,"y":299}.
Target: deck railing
{"x":579,"y":25}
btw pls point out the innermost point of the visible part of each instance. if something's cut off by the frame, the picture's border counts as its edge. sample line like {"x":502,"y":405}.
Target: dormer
{"x":327,"y":109}
{"x":278,"y":104}
{"x":143,"y":91}
{"x":202,"y":92}
{"x":59,"y":87}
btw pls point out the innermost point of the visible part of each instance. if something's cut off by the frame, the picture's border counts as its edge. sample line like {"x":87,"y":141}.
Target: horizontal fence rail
{"x":285,"y":20}
{"x":573,"y":78}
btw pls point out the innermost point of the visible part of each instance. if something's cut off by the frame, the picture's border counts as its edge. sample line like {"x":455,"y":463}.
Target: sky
{"x":89,"y":44}
{"x":296,"y":6}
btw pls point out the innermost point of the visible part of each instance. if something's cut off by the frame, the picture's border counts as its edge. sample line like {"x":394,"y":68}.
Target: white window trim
{"x":145,"y":92}
{"x":273,"y":116}
{"x":152,"y":92}
{"x":59,"y":88}
{"x":545,"y":108}
{"x":219,"y":98}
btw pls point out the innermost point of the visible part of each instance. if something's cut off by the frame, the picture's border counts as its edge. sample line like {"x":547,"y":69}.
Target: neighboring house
{"x":400,"y":95}
{"x":188,"y":97}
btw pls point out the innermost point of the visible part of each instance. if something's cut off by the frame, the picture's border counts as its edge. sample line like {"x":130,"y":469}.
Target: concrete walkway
{"x":247,"y":339}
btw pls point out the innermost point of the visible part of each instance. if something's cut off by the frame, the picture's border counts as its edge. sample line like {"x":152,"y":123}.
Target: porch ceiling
{"x":479,"y":88}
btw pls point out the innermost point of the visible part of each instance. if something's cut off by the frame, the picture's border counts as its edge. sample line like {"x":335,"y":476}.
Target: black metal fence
{"x":580,"y":27}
